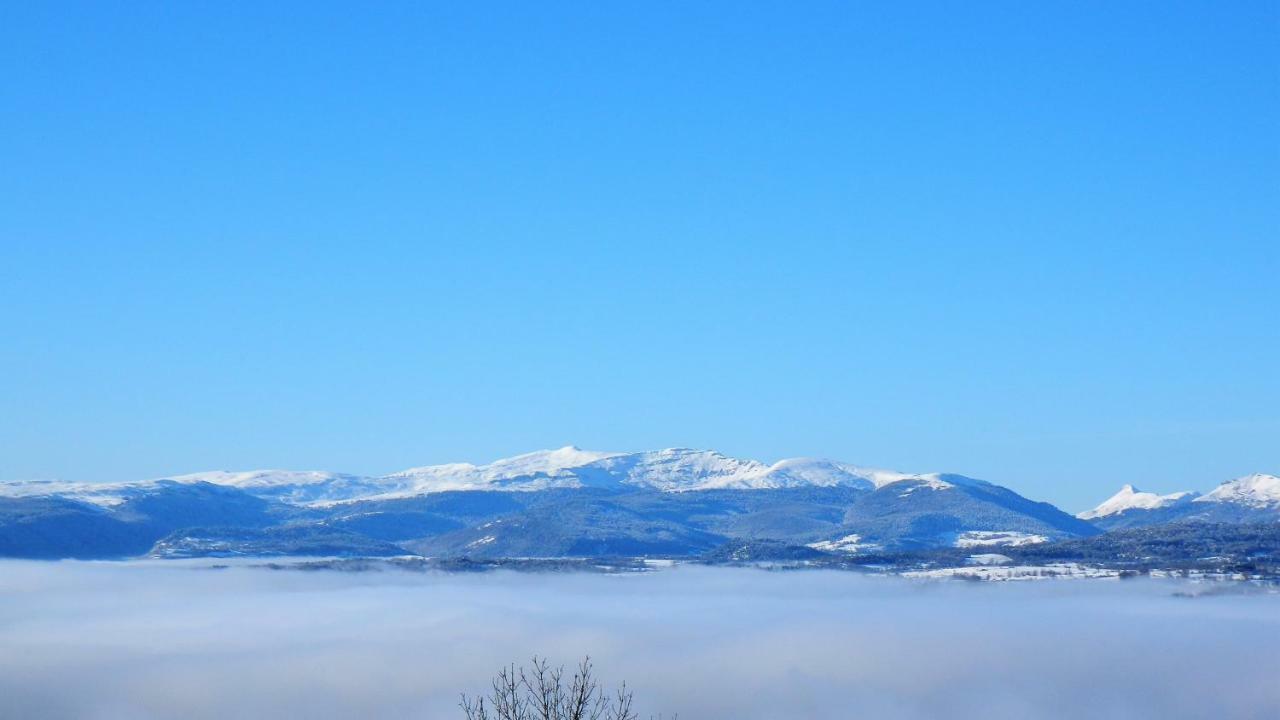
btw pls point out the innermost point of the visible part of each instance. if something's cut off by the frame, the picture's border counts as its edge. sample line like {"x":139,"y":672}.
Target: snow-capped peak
{"x":829,"y":473}
{"x":538,"y":470}
{"x":1256,"y":490}
{"x":676,"y":470}
{"x":800,"y":472}
{"x":256,"y":478}
{"x":686,"y":470}
{"x":1130,"y":498}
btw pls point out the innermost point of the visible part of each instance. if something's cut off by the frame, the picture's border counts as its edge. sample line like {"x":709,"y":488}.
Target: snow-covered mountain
{"x":574,"y":502}
{"x":1130,"y":498}
{"x":1256,"y":490}
{"x":298,"y":487}
{"x":674,"y":470}
{"x":670,"y":470}
{"x":685,"y":470}
{"x":1252,"y":498}
{"x":531,"y":471}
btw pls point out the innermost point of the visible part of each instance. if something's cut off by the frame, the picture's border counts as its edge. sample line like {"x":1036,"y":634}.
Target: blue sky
{"x":1033,"y":243}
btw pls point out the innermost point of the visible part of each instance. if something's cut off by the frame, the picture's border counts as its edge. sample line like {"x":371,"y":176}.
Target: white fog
{"x":170,"y":640}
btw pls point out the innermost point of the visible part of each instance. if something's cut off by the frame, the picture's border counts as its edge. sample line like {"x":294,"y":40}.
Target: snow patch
{"x":849,"y":544}
{"x":1003,"y":538}
{"x":1010,"y":573}
{"x":988,"y":559}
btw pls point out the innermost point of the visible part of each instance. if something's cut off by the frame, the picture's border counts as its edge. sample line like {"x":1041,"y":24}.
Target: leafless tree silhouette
{"x":544,"y":693}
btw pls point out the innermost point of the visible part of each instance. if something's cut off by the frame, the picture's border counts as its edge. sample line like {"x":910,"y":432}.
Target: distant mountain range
{"x":1252,"y":498}
{"x":574,"y":503}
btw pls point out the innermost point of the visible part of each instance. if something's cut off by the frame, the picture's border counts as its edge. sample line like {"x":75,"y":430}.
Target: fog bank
{"x":155,"y":640}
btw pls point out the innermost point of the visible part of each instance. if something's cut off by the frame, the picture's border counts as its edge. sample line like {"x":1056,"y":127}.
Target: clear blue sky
{"x":1036,"y":243}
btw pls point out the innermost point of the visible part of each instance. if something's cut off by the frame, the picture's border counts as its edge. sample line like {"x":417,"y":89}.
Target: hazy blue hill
{"x":596,"y":521}
{"x":799,"y":514}
{"x":41,"y":527}
{"x":51,"y":527}
{"x":753,"y":551}
{"x":577,"y":524}
{"x":1187,"y":541}
{"x":466,"y":507}
{"x":547,"y":523}
{"x":903,"y":514}
{"x":177,"y":505}
{"x":913,"y":513}
{"x":395,"y":525}
{"x":311,"y":539}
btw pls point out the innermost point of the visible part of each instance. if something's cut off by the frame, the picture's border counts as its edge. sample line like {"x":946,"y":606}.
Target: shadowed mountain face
{"x":176,"y":506}
{"x":915,"y":514}
{"x":54,"y":527}
{"x":907,"y":514}
{"x":576,"y":526}
{"x":190,"y":520}
{"x":49,"y":528}
{"x":568,"y":503}
{"x":294,"y":540}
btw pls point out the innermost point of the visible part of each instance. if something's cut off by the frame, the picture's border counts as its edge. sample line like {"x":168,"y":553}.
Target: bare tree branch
{"x":542,"y":692}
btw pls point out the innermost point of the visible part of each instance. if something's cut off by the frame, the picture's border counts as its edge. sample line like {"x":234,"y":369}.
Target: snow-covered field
{"x":987,"y":566}
{"x":1008,"y":538}
{"x":167,"y":640}
{"x":851,"y":544}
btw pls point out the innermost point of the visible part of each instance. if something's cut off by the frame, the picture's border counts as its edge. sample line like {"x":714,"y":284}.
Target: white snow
{"x":296,"y":486}
{"x":105,"y":494}
{"x":1003,"y":538}
{"x":1007,"y":573}
{"x":828,"y":473}
{"x":257,"y":478}
{"x":799,"y":472}
{"x":684,"y":470}
{"x":988,"y":559}
{"x":1257,"y":490}
{"x":1130,"y":498}
{"x":670,"y":470}
{"x":532,"y":471}
{"x":849,"y":544}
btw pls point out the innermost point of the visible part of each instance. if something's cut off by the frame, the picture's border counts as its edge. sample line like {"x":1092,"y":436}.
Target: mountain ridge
{"x":1249,"y":498}
{"x":667,"y":470}
{"x":571,"y":502}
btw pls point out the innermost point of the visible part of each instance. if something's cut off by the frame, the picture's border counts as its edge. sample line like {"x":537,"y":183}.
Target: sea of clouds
{"x":147,"y":640}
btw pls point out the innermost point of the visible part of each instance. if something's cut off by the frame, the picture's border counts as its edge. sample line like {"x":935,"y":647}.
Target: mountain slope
{"x":51,"y":527}
{"x":919,"y":513}
{"x":581,"y":523}
{"x":62,"y":527}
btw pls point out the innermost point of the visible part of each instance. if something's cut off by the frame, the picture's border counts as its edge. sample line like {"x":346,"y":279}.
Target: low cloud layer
{"x":111,"y":641}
